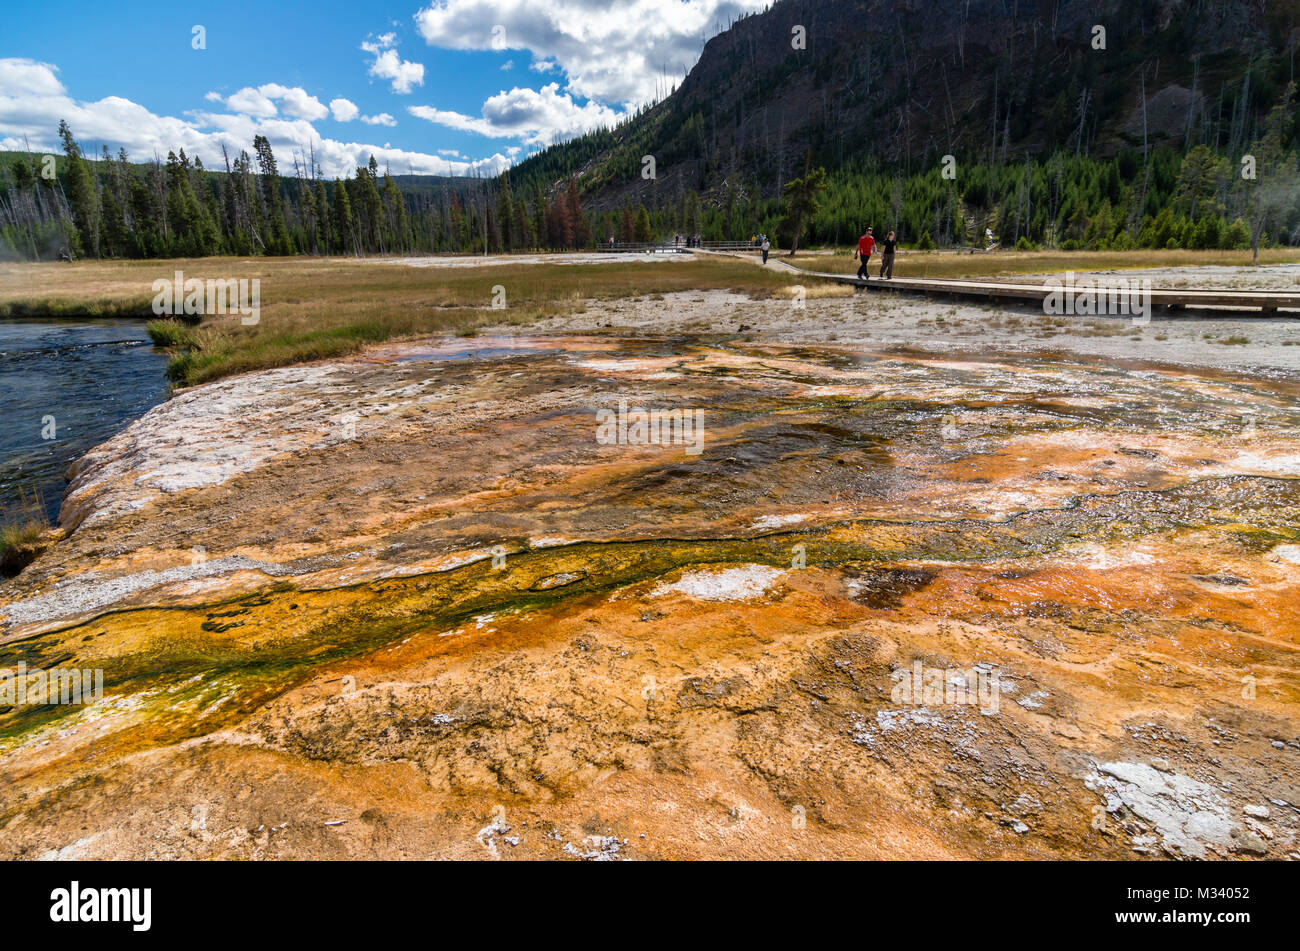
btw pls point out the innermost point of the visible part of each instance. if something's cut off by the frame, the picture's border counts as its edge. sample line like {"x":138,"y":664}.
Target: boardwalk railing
{"x":1231,"y":302}
{"x":728,"y":246}
{"x":1266,"y":302}
{"x":669,"y":246}
{"x":625,"y":247}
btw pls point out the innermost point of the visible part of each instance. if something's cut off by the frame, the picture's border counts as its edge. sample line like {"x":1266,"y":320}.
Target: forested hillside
{"x":108,"y":207}
{"x":1092,"y":122}
{"x":1174,"y":126}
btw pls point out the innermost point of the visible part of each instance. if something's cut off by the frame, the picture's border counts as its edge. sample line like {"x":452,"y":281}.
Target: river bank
{"x":66,"y":386}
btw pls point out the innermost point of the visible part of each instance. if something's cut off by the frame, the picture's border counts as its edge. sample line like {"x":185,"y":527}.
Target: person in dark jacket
{"x":887,"y":257}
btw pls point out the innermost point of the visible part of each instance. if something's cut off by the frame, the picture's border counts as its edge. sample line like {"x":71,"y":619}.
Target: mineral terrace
{"x":408,"y":605}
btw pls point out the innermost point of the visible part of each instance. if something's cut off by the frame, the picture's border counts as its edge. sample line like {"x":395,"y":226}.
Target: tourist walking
{"x":887,"y":256}
{"x":866,"y":246}
{"x":766,"y":246}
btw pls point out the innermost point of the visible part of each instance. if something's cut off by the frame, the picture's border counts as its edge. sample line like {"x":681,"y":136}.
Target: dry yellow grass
{"x":952,"y":264}
{"x":313,"y":308}
{"x":21,"y":528}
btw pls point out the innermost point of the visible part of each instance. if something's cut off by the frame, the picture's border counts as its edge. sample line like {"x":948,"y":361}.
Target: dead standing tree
{"x":1269,"y":180}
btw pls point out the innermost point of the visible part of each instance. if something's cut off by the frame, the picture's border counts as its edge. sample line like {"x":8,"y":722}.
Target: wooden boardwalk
{"x":641,"y":247}
{"x":1241,"y":303}
{"x":669,"y":247}
{"x":1264,"y":302}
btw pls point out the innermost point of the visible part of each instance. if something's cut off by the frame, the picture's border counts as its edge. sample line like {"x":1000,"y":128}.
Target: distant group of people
{"x":679,"y":240}
{"x":867,"y":247}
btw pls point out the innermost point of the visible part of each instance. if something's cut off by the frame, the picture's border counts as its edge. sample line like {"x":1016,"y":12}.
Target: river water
{"x":65,"y":386}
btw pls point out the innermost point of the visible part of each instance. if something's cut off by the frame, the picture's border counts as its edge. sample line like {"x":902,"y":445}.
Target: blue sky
{"x":446,"y":86}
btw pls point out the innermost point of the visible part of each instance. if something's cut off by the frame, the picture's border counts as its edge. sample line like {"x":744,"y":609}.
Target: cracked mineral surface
{"x":409,"y":605}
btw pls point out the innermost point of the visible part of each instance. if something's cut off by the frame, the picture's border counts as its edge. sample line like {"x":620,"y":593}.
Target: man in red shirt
{"x":866,"y":245}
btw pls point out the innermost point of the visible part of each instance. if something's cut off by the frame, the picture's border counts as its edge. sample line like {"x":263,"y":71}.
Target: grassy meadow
{"x":315,"y":308}
{"x":959,"y":264}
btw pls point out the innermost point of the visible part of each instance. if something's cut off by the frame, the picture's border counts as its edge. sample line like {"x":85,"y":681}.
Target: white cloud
{"x":344,"y":110}
{"x":32,"y":101}
{"x":613,"y":51}
{"x":250,"y":102}
{"x":403,"y":74}
{"x":293,"y":102}
{"x":536,"y":116}
{"x":35,"y":78}
{"x":507,"y":66}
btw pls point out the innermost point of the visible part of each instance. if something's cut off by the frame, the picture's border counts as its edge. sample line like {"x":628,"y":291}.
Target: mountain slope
{"x":905,"y":82}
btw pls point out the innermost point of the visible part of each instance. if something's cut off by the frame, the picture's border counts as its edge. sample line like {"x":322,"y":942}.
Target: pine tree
{"x":367,"y":207}
{"x":526,"y":235}
{"x":573,"y":207}
{"x":82,"y":198}
{"x":394,"y":215}
{"x":506,"y":218}
{"x":802,"y":199}
{"x":276,"y":237}
{"x":117,"y":238}
{"x":456,"y":225}
{"x":344,"y":236}
{"x":322,"y":237}
{"x":641,"y":231}
{"x":559,"y":227}
{"x":539,"y":213}
{"x":191,"y":232}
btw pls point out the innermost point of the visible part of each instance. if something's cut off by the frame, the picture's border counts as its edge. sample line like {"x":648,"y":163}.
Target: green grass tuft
{"x":21,"y":529}
{"x":170,"y":333}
